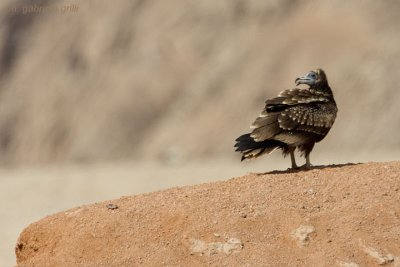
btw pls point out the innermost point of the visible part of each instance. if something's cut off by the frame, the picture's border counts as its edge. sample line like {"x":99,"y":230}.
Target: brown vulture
{"x":296,"y":118}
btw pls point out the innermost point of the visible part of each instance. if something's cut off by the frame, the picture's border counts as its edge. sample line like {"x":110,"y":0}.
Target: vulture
{"x":296,"y":118}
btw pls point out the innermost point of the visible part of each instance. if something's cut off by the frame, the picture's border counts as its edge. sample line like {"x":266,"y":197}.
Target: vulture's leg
{"x":307,"y":151}
{"x":292,"y":158}
{"x":308,"y":163}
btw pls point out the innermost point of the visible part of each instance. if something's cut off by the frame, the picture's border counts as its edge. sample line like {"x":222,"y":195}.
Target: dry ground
{"x":344,"y":215}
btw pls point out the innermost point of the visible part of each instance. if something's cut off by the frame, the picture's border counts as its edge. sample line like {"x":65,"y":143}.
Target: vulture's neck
{"x":323,"y":87}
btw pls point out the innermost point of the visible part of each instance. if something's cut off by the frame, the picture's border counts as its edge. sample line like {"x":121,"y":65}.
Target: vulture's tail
{"x":250,"y":149}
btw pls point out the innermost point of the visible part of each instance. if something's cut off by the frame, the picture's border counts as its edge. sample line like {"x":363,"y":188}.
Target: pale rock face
{"x":232,"y":245}
{"x":302,"y":234}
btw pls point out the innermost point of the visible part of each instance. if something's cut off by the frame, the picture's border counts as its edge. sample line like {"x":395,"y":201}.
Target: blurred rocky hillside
{"x":180,"y":80}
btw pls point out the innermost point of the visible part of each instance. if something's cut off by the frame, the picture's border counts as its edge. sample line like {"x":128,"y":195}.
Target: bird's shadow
{"x":319,"y":167}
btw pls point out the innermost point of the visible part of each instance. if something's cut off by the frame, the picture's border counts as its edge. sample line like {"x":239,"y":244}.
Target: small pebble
{"x":112,"y":207}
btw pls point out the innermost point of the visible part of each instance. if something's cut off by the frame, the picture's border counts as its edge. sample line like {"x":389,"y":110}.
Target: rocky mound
{"x":345,"y":215}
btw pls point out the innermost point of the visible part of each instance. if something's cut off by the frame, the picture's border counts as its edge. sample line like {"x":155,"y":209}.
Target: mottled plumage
{"x":296,"y":118}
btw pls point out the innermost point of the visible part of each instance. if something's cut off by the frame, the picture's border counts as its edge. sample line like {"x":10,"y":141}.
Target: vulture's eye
{"x":313,"y":75}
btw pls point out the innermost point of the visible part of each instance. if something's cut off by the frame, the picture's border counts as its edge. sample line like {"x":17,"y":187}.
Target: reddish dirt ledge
{"x":346,"y":215}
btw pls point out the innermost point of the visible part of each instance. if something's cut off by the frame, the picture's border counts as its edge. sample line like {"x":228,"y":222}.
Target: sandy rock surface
{"x":346,"y":215}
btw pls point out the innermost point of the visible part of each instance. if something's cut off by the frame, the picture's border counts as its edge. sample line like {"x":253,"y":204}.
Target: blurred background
{"x":101,"y":99}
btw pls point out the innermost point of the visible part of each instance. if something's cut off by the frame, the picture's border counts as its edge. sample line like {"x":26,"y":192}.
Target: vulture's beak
{"x":309,"y":78}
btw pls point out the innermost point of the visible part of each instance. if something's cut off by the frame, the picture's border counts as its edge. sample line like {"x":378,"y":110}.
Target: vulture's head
{"x":313,"y":78}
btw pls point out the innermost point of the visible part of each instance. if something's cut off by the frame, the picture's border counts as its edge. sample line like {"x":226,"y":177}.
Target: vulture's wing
{"x":293,"y":97}
{"x":295,"y":109}
{"x":316,"y":118}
